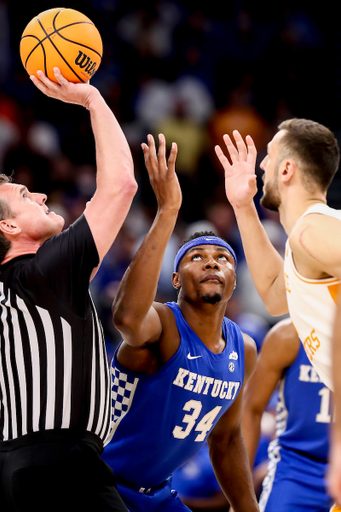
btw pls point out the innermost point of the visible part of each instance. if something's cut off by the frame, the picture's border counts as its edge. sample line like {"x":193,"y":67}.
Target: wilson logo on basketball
{"x":85,"y":63}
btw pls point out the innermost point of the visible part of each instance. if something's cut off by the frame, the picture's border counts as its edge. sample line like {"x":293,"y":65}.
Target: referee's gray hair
{"x":5,"y":212}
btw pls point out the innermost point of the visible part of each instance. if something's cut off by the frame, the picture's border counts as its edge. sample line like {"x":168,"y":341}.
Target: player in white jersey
{"x":301,"y":161}
{"x":312,"y":304}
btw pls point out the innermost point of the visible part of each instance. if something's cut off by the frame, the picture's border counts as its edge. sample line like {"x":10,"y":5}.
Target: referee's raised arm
{"x":116,"y":185}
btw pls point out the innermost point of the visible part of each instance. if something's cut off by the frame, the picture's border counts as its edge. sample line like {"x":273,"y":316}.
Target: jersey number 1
{"x":324,"y":415}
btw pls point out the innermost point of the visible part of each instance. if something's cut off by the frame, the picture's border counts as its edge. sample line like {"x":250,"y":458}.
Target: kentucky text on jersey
{"x":308,"y":374}
{"x":206,"y":385}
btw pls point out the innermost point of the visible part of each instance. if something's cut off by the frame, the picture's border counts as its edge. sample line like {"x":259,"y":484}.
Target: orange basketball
{"x":64,"y":38}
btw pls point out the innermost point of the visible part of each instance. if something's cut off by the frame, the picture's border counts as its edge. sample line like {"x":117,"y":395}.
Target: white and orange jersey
{"x":312,"y":307}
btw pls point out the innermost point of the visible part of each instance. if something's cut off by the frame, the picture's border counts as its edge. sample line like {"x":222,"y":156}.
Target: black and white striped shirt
{"x":53,"y":365}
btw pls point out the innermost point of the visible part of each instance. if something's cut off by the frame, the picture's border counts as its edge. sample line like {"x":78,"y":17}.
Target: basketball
{"x":62,"y":38}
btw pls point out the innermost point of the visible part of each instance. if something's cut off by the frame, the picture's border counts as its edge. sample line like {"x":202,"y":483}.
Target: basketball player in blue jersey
{"x":179,"y":372}
{"x":298,"y":455}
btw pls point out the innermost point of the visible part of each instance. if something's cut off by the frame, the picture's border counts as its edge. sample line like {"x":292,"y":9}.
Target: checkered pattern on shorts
{"x":122,"y":392}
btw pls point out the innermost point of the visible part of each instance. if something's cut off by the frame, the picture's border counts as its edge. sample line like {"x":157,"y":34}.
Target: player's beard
{"x":271,"y":198}
{"x":212,"y":298}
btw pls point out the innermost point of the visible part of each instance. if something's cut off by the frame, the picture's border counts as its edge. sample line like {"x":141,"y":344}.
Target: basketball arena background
{"x":193,"y":70}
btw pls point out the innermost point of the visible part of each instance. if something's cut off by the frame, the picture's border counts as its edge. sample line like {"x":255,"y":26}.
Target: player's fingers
{"x":150,"y":156}
{"x":59,"y":77}
{"x":241,"y":146}
{"x":151,"y":145}
{"x":146,"y":154}
{"x":231,"y":148}
{"x":144,"y":148}
{"x":161,"y":155}
{"x":46,"y":81}
{"x":251,"y":150}
{"x":222,"y":158}
{"x":172,"y":157}
{"x":45,"y":85}
{"x":39,"y":84}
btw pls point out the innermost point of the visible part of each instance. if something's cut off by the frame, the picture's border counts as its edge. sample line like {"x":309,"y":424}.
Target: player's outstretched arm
{"x":116,"y":185}
{"x":133,"y":310}
{"x":264,"y":262}
{"x":227,"y":448}
{"x":279,"y":350}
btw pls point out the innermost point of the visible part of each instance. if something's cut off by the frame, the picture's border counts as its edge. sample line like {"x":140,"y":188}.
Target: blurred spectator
{"x":221,"y":216}
{"x":239,"y":113}
{"x":9,"y":125}
{"x":154,"y":102}
{"x":185,"y":69}
{"x":5,"y":48}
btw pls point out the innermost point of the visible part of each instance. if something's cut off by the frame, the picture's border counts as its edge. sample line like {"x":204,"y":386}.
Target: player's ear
{"x":9,"y":227}
{"x":288,"y":169}
{"x":176,"y":280}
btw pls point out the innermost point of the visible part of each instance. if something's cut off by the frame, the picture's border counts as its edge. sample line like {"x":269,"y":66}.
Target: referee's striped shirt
{"x":53,"y":366}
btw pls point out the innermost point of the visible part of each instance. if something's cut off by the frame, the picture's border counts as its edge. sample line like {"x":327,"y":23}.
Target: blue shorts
{"x":293,"y":483}
{"x":162,"y":499}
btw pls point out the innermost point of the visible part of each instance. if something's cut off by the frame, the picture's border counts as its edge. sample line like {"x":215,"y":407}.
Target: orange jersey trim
{"x":328,"y":280}
{"x":334,"y":290}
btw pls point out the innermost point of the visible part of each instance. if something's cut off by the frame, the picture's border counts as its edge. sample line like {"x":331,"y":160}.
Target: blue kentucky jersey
{"x":303,"y":410}
{"x":162,"y":420}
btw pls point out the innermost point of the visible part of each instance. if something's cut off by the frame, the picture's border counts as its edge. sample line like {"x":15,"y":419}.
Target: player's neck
{"x":206,"y":321}
{"x":294,"y":204}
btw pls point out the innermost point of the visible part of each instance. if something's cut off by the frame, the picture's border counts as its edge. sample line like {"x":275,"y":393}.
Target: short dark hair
{"x":197,"y":234}
{"x":316,"y":148}
{"x":5,"y":212}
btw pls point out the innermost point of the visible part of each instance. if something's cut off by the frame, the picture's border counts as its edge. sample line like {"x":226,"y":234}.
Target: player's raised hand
{"x":240,"y":177}
{"x":80,"y":94}
{"x":162,"y":175}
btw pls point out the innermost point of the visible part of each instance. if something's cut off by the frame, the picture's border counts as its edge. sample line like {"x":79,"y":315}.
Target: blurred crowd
{"x":193,"y":71}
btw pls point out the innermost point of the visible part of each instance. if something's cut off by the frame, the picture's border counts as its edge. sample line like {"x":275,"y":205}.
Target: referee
{"x":54,"y":378}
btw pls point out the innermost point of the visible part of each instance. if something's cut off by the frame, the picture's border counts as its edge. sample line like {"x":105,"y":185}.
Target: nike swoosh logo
{"x":192,"y":357}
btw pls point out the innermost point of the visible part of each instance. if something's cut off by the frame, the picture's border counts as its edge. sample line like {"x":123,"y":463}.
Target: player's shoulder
{"x":281,"y":331}
{"x":249,"y":342}
{"x":281,"y":344}
{"x":315,"y":232}
{"x":163,"y":309}
{"x":167,"y":315}
{"x":316,"y":225}
{"x":250,"y":354}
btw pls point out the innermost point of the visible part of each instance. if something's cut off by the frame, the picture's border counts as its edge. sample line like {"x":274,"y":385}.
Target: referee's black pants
{"x":56,"y":471}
